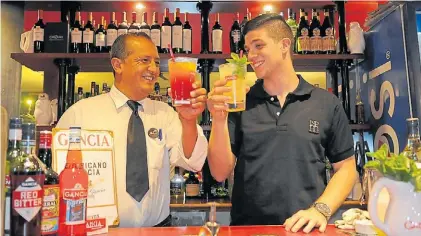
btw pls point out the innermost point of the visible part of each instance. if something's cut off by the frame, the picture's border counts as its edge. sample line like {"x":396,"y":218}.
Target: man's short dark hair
{"x":119,"y":49}
{"x":274,"y":24}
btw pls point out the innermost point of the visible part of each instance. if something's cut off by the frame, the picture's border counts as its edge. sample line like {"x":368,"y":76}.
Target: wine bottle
{"x":88,"y":36}
{"x":187,"y":35}
{"x":166,"y":32}
{"x":156,"y":32}
{"x":291,"y":21}
{"x":79,"y":94}
{"x":134,"y":27}
{"x":243,"y":23}
{"x":93,"y":85}
{"x":144,"y":27}
{"x":235,"y":35}
{"x":327,"y":33}
{"x":123,"y":28}
{"x":76,"y":35}
{"x":177,"y":33}
{"x":100,"y":37}
{"x":112,"y":32}
{"x":302,"y":38}
{"x":38,"y":32}
{"x":315,"y":38}
{"x":217,"y":36}
{"x":192,"y":186}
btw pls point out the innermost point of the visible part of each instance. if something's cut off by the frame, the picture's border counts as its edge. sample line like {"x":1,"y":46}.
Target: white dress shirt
{"x":111,"y":112}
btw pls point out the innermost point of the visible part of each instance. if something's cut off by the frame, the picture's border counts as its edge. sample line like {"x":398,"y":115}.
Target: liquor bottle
{"x":157,"y":88}
{"x":328,"y":35}
{"x":156,"y":32}
{"x":87,"y":94}
{"x":73,"y":189}
{"x":243,"y":23}
{"x":192,"y":185}
{"x":76,"y":35}
{"x":187,"y":35}
{"x":112,"y":30}
{"x":291,"y":21}
{"x":169,"y":101}
{"x":314,"y":33}
{"x":104,"y":88}
{"x":88,"y":36}
{"x":13,"y":150}
{"x":79,"y":93}
{"x":93,"y":85}
{"x":359,"y":109}
{"x":123,"y":28}
{"x":100,"y":35}
{"x":166,"y":32}
{"x":235,"y":35}
{"x":412,"y":149}
{"x":177,"y":33}
{"x":27,"y":183}
{"x":144,"y":27}
{"x":39,"y":33}
{"x":50,"y":209}
{"x":134,"y":27}
{"x":96,"y":90}
{"x":217,"y":36}
{"x":177,"y":187}
{"x":302,"y":37}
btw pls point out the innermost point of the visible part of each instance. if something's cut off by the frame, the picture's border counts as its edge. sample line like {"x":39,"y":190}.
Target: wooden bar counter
{"x":225,"y":231}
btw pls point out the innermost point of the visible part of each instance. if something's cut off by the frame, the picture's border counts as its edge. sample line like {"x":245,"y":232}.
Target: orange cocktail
{"x":182,"y":76}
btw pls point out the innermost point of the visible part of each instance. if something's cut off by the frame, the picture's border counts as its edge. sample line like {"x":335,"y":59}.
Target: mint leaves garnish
{"x":396,"y":167}
{"x":240,"y":63}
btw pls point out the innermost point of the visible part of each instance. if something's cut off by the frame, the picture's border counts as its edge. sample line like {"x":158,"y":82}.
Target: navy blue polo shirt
{"x":281,"y":152}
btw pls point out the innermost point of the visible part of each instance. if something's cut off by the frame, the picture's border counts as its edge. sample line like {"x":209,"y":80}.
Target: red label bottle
{"x":73,"y":189}
{"x":50,"y":208}
{"x":27,"y":182}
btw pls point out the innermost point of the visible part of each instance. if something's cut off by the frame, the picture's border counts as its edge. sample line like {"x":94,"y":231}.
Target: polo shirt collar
{"x":120,"y":99}
{"x":303,"y":88}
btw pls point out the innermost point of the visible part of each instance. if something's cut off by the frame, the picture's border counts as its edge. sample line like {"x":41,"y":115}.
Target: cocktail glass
{"x":182,"y":76}
{"x":235,"y":75}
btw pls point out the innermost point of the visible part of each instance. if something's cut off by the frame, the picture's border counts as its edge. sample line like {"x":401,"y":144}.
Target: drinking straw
{"x":171,"y":52}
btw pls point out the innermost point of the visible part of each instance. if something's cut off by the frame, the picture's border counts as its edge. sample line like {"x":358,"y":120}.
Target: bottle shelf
{"x":100,"y":62}
{"x":354,"y":127}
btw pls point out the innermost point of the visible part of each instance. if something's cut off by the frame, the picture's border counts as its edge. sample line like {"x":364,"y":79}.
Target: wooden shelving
{"x":100,"y":62}
{"x":224,"y":204}
{"x":354,"y":127}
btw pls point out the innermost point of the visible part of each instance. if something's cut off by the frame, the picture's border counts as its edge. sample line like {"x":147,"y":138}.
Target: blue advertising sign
{"x":383,"y":79}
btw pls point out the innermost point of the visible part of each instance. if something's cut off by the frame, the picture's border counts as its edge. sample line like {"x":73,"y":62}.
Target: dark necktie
{"x":137,"y":181}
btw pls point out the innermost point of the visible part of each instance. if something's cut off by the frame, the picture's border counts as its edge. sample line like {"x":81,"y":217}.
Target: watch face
{"x":323,"y":208}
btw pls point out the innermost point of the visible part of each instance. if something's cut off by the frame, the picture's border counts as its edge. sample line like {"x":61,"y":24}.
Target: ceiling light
{"x":139,"y":6}
{"x":267,"y":8}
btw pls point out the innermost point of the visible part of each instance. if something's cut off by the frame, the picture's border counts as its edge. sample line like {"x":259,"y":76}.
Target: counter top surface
{"x":224,"y":231}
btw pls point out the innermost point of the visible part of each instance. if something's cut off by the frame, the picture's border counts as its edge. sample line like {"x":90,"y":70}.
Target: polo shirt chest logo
{"x":313,"y":127}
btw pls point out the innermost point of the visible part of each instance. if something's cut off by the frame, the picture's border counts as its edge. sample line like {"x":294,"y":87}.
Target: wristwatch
{"x":323,"y":209}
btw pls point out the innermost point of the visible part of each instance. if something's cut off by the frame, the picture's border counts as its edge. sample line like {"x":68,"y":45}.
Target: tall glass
{"x":182,"y":76}
{"x":236,"y":80}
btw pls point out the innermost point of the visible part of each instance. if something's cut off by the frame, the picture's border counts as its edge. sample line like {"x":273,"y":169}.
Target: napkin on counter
{"x":350,"y":217}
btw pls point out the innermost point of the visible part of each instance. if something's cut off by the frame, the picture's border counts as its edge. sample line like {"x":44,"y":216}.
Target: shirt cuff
{"x":198,"y":156}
